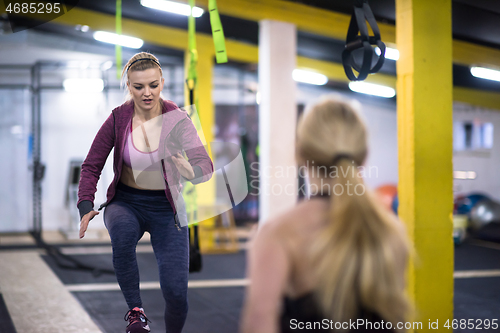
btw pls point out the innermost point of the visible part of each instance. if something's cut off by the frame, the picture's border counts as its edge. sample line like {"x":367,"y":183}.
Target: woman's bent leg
{"x":171,"y":248}
{"x":125,"y":231}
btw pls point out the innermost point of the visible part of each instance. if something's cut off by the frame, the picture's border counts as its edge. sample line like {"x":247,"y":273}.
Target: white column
{"x":277,"y":118}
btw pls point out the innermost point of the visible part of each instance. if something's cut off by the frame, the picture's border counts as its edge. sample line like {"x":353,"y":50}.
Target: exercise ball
{"x":386,"y":194}
{"x":464,"y":203}
{"x":484,"y":212}
{"x":395,"y":204}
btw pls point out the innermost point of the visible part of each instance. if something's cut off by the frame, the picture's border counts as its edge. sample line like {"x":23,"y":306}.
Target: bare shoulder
{"x":303,"y":217}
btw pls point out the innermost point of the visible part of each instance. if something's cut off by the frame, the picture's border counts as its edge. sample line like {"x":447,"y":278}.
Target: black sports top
{"x":303,"y":315}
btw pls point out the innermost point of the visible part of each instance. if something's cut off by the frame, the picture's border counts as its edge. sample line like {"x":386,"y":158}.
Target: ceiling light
{"x":112,"y":38}
{"x":82,"y":28}
{"x":372,"y":89}
{"x":390,"y":53}
{"x":172,"y":7}
{"x":300,"y":75}
{"x":83,"y":85}
{"x":485,"y":73}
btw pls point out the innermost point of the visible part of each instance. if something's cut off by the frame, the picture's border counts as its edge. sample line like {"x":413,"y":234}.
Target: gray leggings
{"x":127,"y":217}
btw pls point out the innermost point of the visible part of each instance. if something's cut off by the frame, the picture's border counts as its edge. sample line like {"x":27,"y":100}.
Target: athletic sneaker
{"x":137,"y":321}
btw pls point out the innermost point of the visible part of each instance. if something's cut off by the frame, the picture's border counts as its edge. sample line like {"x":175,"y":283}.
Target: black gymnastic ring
{"x":362,"y":13}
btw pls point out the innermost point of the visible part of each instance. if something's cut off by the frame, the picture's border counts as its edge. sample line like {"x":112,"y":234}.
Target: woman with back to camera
{"x":338,"y":256}
{"x":148,"y":135}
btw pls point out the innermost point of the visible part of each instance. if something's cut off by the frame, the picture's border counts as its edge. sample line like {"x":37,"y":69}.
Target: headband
{"x":151,"y":59}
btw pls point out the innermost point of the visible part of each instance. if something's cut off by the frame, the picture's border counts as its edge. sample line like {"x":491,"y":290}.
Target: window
{"x":472,"y":136}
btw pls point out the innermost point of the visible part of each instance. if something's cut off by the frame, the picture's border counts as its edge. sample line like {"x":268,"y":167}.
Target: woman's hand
{"x":84,"y":223}
{"x":185,"y":169}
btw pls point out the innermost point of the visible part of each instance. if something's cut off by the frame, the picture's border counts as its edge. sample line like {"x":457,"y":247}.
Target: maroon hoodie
{"x":178,"y":133}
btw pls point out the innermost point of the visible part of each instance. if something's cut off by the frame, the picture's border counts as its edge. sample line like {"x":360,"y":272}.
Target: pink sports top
{"x":142,"y":161}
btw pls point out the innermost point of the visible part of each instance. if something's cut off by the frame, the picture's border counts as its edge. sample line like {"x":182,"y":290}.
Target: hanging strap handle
{"x":217,"y":32}
{"x":195,"y":236}
{"x":192,"y":74}
{"x":357,"y":38}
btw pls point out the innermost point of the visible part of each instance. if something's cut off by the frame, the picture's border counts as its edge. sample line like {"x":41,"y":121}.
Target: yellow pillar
{"x":424,"y":104}
{"x":206,"y":191}
{"x":206,"y":194}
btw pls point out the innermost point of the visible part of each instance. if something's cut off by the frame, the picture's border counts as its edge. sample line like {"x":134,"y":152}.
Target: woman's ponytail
{"x":360,"y":256}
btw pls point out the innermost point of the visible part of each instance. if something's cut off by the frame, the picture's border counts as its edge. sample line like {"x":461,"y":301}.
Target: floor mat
{"x":217,"y":310}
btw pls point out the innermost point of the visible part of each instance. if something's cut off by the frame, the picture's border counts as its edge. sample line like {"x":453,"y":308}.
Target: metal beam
{"x":177,"y":38}
{"x":335,"y":71}
{"x":477,"y":97}
{"x":306,"y":18}
{"x":334,"y":25}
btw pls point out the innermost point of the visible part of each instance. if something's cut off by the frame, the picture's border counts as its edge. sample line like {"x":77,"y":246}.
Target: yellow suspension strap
{"x":192,"y":75}
{"x":217,"y":32}
{"x":118,"y":48}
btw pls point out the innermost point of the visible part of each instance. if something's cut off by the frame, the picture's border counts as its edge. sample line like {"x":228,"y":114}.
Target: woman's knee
{"x":122,"y":224}
{"x":176,"y":296}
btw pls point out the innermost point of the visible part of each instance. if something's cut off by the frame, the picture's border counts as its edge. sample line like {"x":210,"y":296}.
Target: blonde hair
{"x":359,"y":259}
{"x":139,"y":65}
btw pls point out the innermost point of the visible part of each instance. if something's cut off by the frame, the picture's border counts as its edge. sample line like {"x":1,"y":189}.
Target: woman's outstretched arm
{"x":93,"y":164}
